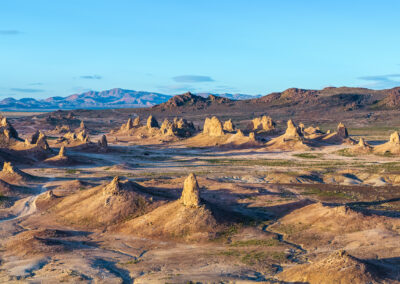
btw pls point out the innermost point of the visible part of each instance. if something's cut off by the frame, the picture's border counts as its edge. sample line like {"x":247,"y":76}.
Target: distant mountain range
{"x":114,"y":98}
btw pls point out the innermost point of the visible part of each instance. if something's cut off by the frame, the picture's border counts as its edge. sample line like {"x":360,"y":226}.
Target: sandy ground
{"x":262,"y":186}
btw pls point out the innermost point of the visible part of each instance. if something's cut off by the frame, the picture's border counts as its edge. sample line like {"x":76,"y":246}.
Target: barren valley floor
{"x":253,"y":211}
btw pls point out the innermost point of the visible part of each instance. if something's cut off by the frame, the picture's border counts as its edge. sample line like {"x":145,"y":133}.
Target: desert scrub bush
{"x":308,"y":155}
{"x":250,"y":162}
{"x":71,"y":171}
{"x":327,"y":193}
{"x":264,"y":243}
{"x":345,"y":153}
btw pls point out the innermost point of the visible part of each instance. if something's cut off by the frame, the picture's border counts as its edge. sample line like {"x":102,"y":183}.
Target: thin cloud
{"x":192,"y":79}
{"x":381,"y":81}
{"x":91,"y":77}
{"x":26,"y":90}
{"x":10,"y":32}
{"x":178,"y":88}
{"x":36,"y":84}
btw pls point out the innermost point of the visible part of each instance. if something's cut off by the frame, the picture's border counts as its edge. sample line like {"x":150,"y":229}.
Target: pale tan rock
{"x":190,"y":194}
{"x":152,"y":122}
{"x":136,"y":122}
{"x":292,"y":132}
{"x":61,"y":153}
{"x":252,"y":136}
{"x":213,"y":127}
{"x":395,"y":138}
{"x":8,"y":168}
{"x":263,"y":123}
{"x":228,"y":126}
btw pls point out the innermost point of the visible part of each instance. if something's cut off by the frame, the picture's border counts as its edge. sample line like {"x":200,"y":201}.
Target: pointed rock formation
{"x":35,"y":137}
{"x":213,"y":127}
{"x":102,"y":143}
{"x":61,"y":153}
{"x":152,"y":122}
{"x":292,"y":132}
{"x":361,"y":148}
{"x":7,"y":132}
{"x":82,"y":126}
{"x":395,"y":138}
{"x":252,"y":136}
{"x":128,"y":125}
{"x":113,"y":187}
{"x":342,"y":131}
{"x":136,"y":122}
{"x":190,"y":194}
{"x":228,"y":126}
{"x":41,"y":142}
{"x":362,"y":143}
{"x":292,"y":139}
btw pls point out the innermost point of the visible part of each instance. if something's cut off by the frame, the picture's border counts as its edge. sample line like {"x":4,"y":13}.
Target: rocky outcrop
{"x":342,"y":131}
{"x":7,"y":132}
{"x":13,"y":175}
{"x":71,"y":137}
{"x":213,"y":127}
{"x":390,"y":147}
{"x":395,"y":138}
{"x":136,"y":122}
{"x":292,"y":132}
{"x":263,"y":123}
{"x":228,"y":126}
{"x":190,"y":194}
{"x":178,"y":127}
{"x":102,"y":143}
{"x":41,"y":142}
{"x":152,"y":122}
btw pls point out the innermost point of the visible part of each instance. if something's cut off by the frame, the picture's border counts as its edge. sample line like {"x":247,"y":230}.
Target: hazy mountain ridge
{"x":113,"y":98}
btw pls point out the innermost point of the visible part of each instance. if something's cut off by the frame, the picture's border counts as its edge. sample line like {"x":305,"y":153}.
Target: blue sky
{"x":56,"y":48}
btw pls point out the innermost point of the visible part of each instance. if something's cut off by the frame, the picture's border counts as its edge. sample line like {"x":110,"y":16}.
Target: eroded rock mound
{"x":184,"y":219}
{"x":292,"y":139}
{"x":390,"y":147}
{"x":105,"y":205}
{"x":228,"y":126}
{"x":190,"y":193}
{"x":341,"y":136}
{"x":338,"y":267}
{"x":13,"y":175}
{"x":60,"y":159}
{"x":213,"y":127}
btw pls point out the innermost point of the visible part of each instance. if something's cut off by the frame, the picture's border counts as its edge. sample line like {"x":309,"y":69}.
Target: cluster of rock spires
{"x":262,"y":124}
{"x":178,"y":127}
